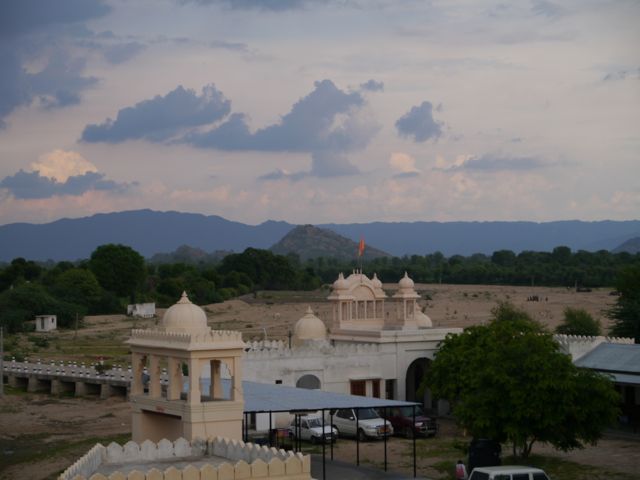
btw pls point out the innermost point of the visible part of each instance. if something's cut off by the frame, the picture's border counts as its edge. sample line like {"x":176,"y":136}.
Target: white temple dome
{"x":376,"y":281}
{"x":184,"y":316}
{"x":309,"y":327}
{"x":422,"y":320}
{"x":340,"y":283}
{"x":405,"y":282}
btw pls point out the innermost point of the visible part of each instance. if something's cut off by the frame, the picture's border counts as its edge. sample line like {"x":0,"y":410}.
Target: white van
{"x":508,"y":472}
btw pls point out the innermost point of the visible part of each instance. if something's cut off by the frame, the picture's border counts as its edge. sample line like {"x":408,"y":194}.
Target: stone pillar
{"x":105,"y":390}
{"x":155,"y":390}
{"x":174,"y":372}
{"x":215,"y":389}
{"x":81,"y":389}
{"x":137,"y":362}
{"x":193,"y":396}
{"x":236,"y":383}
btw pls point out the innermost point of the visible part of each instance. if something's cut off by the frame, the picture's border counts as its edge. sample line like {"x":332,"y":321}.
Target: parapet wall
{"x":280,"y":350}
{"x":160,"y":337}
{"x":244,"y":461}
{"x":579,"y":345}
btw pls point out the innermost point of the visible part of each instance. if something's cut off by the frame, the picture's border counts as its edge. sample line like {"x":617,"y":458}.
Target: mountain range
{"x":150,"y":232}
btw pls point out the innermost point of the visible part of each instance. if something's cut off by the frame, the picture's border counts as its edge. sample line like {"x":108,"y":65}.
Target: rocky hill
{"x":189,"y":255}
{"x":630,"y":246}
{"x":312,"y":242}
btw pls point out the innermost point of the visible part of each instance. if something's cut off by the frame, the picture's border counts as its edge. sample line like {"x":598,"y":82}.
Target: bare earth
{"x":58,"y":425}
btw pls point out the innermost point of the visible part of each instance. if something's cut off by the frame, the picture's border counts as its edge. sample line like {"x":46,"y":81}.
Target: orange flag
{"x":361,"y":247}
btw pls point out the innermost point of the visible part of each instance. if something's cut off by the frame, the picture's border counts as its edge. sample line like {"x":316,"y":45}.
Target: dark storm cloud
{"x":309,"y":126}
{"x":496,"y":163}
{"x":267,"y":5}
{"x":23,"y":16}
{"x":372,"y":86}
{"x":419,"y":124}
{"x":32,"y":185}
{"x":161,"y":118}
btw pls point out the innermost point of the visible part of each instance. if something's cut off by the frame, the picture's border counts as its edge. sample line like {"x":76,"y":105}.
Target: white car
{"x":508,"y":472}
{"x":311,"y":429}
{"x":369,"y":424}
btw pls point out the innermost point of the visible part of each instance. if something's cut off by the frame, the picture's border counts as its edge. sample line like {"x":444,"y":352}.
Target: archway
{"x":310,"y":382}
{"x":415,"y":374}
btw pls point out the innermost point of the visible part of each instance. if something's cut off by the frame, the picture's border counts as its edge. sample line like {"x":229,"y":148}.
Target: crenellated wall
{"x":579,"y":345}
{"x":229,"y":460}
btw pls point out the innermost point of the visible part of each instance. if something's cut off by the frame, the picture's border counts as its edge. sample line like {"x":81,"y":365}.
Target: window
{"x":479,"y":476}
{"x":344,"y":413}
{"x":540,"y":476}
{"x":376,"y":388}
{"x":358,"y":387}
{"x":520,"y":476}
{"x":278,"y":382}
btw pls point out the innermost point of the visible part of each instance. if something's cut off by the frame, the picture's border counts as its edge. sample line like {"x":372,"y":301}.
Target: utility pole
{"x":1,"y":362}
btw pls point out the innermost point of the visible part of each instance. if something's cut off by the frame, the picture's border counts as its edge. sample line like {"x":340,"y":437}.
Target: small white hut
{"x":142,"y":310}
{"x":46,"y":323}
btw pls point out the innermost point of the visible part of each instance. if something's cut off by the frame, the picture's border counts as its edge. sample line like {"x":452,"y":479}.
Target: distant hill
{"x":308,"y":241}
{"x":630,"y":246}
{"x":189,"y":255}
{"x":147,"y":231}
{"x":150,"y":232}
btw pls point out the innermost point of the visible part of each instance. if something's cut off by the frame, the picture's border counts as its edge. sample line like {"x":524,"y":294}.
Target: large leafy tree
{"x":118,"y":268}
{"x":626,"y":311}
{"x":508,"y":381}
{"x":79,"y":286}
{"x":577,"y":321}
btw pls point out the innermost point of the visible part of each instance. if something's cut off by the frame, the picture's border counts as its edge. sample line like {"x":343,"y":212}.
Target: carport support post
{"x":413,"y":413}
{"x":331,"y":422}
{"x":357,"y":410}
{"x":384,"y":433}
{"x":270,"y":430}
{"x":324,"y":475}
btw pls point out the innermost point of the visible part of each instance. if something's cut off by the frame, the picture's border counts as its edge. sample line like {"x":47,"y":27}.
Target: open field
{"x":274,"y":313}
{"x":40,"y":435}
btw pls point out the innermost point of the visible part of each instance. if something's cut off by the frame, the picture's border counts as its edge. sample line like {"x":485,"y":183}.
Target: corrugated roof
{"x":265,"y":397}
{"x":612,"y":357}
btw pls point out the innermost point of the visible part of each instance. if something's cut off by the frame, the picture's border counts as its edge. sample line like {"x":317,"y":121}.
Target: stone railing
{"x":68,"y":369}
{"x":305,"y":351}
{"x":249,"y":461}
{"x":185,"y":338}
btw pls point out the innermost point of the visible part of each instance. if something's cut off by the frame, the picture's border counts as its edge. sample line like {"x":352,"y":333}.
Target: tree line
{"x":116,"y":275}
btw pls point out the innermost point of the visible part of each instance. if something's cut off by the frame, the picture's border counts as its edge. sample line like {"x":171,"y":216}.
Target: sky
{"x":321,"y":111}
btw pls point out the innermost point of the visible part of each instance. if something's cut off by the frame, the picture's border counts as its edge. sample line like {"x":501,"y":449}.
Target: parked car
{"x":402,"y":420}
{"x":311,"y":429}
{"x":484,"y":452}
{"x":508,"y":472}
{"x":368,"y":425}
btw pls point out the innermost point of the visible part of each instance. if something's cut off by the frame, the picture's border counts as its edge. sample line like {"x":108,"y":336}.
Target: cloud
{"x":265,"y":5}
{"x":33,"y":185}
{"x":161,"y":118}
{"x":404,"y":164}
{"x":622,"y":75}
{"x":372,"y":86}
{"x":59,"y":165}
{"x":496,"y":163}
{"x":547,"y":9}
{"x":327,"y":123}
{"x":19,"y":17}
{"x":121,"y":52}
{"x":232,"y":46}
{"x":419,"y":123}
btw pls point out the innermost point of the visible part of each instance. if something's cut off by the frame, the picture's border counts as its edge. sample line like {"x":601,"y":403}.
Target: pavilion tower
{"x":187,"y":378}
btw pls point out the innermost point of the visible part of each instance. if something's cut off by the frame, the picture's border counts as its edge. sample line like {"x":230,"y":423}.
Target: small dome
{"x":422,"y":320}
{"x":309,"y":327}
{"x":376,"y":281}
{"x":405,"y":282}
{"x":184,"y":316}
{"x":340,"y":283}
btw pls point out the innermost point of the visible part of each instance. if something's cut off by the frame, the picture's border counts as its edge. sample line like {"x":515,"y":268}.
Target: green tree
{"x":78,"y":286}
{"x":577,"y":321}
{"x":118,"y":268}
{"x":508,"y":381}
{"x":626,"y":311}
